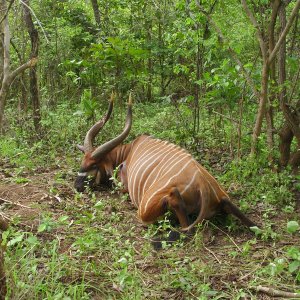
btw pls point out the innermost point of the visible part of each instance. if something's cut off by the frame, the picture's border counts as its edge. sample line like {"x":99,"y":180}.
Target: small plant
{"x":117,"y":184}
{"x":48,"y":224}
{"x":88,"y":105}
{"x":265,"y":233}
{"x":289,"y":263}
{"x":21,"y":180}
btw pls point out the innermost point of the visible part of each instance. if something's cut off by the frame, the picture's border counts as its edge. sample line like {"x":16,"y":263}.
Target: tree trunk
{"x":262,"y":106}
{"x":291,"y":128}
{"x":3,"y":95}
{"x":272,"y":96}
{"x":196,"y":86}
{"x":6,"y":61}
{"x":286,"y":137}
{"x":3,"y":227}
{"x":96,"y":14}
{"x":161,"y":56}
{"x":148,"y":28}
{"x":34,"y":89}
{"x":7,"y":75}
{"x":268,"y":56}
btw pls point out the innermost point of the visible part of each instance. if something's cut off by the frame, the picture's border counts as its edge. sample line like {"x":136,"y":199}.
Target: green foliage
{"x":292,"y":226}
{"x":262,"y":184}
{"x":178,"y":68}
{"x":289,"y":263}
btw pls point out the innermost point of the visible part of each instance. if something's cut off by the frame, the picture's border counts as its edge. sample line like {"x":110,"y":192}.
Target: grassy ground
{"x":64,"y":245}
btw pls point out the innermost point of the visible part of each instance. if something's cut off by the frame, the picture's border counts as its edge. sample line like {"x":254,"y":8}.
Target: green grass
{"x":91,"y":246}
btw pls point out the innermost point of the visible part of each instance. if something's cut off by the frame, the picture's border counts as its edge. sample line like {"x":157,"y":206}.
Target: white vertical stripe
{"x":142,"y":162}
{"x":141,"y":143}
{"x":191,"y":182}
{"x":157,"y":166}
{"x":136,"y":161}
{"x":203,"y":177}
{"x":169,"y":161}
{"x":165,"y":185}
{"x":132,"y":156}
{"x":156,"y":156}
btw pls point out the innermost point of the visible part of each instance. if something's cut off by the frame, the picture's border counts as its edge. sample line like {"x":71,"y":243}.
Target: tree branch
{"x":275,"y":7}
{"x":6,"y":13}
{"x":259,"y":34}
{"x":31,"y":63}
{"x":37,"y":20}
{"x":284,"y":32}
{"x":276,"y":293}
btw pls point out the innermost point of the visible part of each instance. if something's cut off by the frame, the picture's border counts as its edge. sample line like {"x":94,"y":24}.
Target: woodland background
{"x":219,"y":78}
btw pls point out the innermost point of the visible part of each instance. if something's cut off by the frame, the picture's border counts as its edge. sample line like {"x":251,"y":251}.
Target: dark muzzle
{"x":82,"y":182}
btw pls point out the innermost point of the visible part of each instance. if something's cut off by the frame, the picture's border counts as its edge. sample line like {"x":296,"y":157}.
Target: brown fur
{"x":158,"y":176}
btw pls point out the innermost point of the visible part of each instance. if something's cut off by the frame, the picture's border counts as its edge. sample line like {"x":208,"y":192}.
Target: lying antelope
{"x":158,"y":175}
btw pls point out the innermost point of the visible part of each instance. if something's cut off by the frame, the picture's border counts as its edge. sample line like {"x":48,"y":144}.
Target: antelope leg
{"x":176,"y":204}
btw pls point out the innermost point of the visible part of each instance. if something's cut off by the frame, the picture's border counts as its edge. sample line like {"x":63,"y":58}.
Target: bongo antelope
{"x":158,"y":175}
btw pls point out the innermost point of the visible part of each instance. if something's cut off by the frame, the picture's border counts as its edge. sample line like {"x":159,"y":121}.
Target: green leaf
{"x":256,"y":230}
{"x":294,"y":266}
{"x":21,"y":180}
{"x":294,"y":253}
{"x":32,"y":240}
{"x":292,"y":226}
{"x":99,"y":204}
{"x":42,"y":227}
{"x":63,"y":218}
{"x":16,"y":240}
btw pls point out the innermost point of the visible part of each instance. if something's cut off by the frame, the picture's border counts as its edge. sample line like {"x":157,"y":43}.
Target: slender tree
{"x":291,"y":128}
{"x":268,"y":56}
{"x":7,"y":74}
{"x":96,"y":14}
{"x":34,"y":88}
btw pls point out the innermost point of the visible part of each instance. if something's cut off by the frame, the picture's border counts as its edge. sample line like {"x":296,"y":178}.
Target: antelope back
{"x":154,"y":167}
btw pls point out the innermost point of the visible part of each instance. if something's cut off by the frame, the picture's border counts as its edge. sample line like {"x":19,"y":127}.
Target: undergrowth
{"x":93,"y":247}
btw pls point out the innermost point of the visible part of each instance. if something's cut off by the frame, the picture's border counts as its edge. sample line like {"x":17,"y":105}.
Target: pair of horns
{"x":95,"y":129}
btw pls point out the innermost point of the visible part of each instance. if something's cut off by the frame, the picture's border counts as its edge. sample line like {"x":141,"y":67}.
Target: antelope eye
{"x":93,"y":167}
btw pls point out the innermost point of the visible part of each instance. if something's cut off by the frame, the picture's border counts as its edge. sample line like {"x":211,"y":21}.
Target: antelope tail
{"x":231,"y":208}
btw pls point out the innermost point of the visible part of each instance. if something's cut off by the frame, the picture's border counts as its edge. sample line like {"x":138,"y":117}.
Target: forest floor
{"x":101,"y":246}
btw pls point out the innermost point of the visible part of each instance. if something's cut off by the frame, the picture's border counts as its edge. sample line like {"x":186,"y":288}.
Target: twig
{"x":6,"y":13}
{"x":227,"y":236}
{"x":276,"y":293}
{"x":18,"y":204}
{"x":211,"y":252}
{"x":5,"y":217}
{"x":248,"y":274}
{"x":231,"y":119}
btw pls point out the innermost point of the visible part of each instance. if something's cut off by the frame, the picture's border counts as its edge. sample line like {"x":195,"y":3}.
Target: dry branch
{"x":13,"y":203}
{"x":213,"y":254}
{"x":276,"y":293}
{"x":285,"y":32}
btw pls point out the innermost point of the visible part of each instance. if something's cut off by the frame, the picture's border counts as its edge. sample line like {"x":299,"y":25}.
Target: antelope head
{"x":98,"y":162}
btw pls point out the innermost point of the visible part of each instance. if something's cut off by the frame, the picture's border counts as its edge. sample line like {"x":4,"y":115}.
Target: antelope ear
{"x":80,"y":147}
